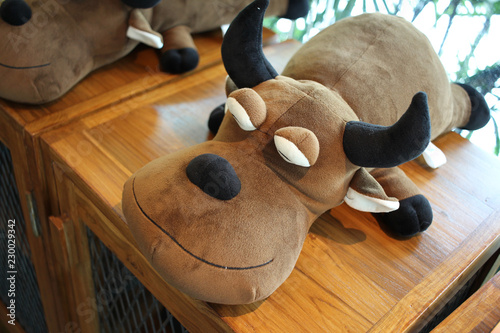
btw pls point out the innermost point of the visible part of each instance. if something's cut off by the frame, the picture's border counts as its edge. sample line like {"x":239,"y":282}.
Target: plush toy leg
{"x":179,"y":53}
{"x":215,"y":119}
{"x":480,"y":112}
{"x":414,"y":214}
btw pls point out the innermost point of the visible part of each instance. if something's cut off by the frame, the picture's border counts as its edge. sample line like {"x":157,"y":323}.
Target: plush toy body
{"x":225,"y":221}
{"x":48,"y":46}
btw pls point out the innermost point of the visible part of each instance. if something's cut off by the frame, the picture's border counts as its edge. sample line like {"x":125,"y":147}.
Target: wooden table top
{"x":350,"y":276}
{"x":479,"y":313}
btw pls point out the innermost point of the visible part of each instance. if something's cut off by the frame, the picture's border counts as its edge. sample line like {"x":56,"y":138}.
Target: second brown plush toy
{"x":224,"y":221}
{"x":49,"y":46}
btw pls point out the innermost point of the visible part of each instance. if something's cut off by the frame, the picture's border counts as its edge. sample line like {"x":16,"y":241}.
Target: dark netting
{"x":28,"y":306}
{"x":123,"y":303}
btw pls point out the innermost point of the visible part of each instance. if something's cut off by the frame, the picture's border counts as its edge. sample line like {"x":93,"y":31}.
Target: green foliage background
{"x":486,"y":80}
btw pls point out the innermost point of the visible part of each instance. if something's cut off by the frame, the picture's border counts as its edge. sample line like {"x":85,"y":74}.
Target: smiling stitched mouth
{"x":186,"y":250}
{"x":26,"y":67}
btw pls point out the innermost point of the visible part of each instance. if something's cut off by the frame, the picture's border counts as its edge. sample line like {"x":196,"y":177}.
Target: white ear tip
{"x":433,"y":156}
{"x":145,"y":37}
{"x":290,"y":153}
{"x":365,"y":203}
{"x":240,"y":115}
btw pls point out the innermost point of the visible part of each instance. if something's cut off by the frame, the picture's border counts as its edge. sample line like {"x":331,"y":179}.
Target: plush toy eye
{"x":297,"y":145}
{"x":240,"y":114}
{"x":247,"y":108}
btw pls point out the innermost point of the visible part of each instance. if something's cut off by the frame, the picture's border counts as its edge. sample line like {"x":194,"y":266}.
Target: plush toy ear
{"x":365,"y":194}
{"x":140,"y":30}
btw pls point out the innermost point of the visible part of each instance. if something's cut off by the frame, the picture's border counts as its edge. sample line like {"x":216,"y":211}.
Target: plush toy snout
{"x":197,"y":250}
{"x":46,"y":59}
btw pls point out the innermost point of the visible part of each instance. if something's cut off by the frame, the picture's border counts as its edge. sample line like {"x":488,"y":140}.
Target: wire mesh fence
{"x":18,"y":281}
{"x":122,"y":301}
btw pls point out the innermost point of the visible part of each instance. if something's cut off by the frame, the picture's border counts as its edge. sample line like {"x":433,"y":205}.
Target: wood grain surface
{"x":479,"y":313}
{"x":350,"y":276}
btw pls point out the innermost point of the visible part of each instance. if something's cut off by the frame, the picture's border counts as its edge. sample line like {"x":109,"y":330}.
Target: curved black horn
{"x":375,"y":146}
{"x":242,"y":53}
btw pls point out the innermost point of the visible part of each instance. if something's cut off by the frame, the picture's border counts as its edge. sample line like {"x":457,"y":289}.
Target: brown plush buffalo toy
{"x":224,"y":221}
{"x":48,"y":46}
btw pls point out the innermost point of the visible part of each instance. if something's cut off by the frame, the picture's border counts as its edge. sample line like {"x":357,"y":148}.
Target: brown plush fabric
{"x":252,"y":103}
{"x":201,"y":15}
{"x":139,"y":21}
{"x":381,"y":61}
{"x":364,"y":182}
{"x":248,"y":231}
{"x":395,"y":182}
{"x":230,"y":86}
{"x":66,"y":40}
{"x":303,"y":139}
{"x":240,"y":250}
{"x":178,"y":37}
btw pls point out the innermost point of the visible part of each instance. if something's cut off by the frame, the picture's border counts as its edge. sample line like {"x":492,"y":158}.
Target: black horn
{"x":375,"y":146}
{"x":242,"y":53}
{"x":141,"y":3}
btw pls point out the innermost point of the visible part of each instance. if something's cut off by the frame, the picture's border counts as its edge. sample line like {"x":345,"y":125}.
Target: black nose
{"x":141,"y":3}
{"x":15,"y":12}
{"x":215,"y":176}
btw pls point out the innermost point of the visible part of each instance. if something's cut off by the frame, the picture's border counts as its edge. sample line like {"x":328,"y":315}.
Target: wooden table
{"x":480,"y":313}
{"x":350,"y":276}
